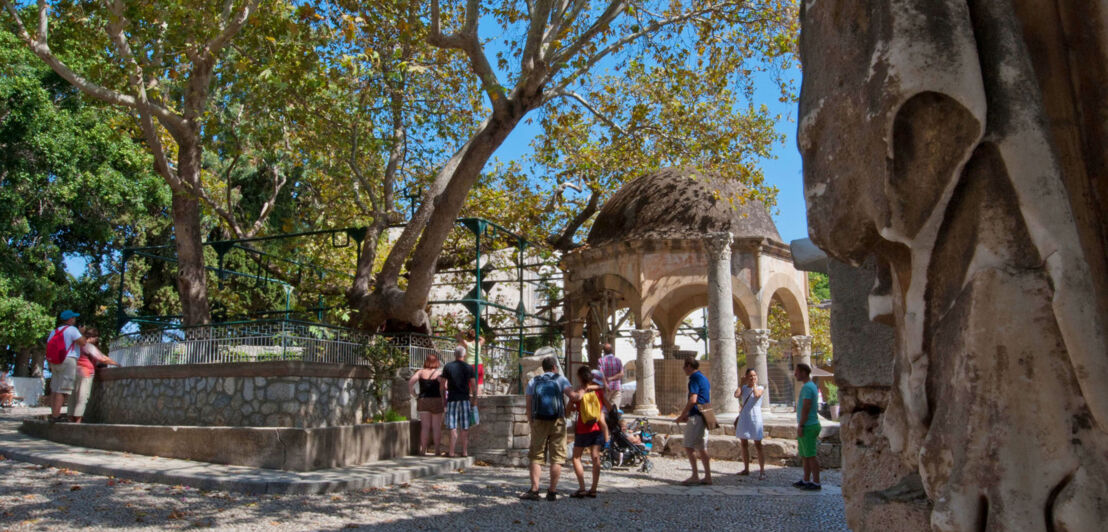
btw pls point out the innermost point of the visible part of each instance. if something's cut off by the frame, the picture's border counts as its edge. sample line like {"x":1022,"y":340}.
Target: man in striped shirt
{"x":612,"y":369}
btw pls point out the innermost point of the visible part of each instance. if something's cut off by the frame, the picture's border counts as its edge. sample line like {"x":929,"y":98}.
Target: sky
{"x":783,"y":171}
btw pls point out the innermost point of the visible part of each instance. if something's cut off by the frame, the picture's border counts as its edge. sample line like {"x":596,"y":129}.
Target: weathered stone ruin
{"x":956,"y":151}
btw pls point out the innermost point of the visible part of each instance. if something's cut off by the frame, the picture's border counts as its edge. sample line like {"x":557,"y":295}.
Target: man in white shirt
{"x":63,"y":376}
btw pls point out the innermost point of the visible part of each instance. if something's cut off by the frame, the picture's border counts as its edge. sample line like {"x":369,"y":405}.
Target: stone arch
{"x":792,"y":297}
{"x":673,"y":306}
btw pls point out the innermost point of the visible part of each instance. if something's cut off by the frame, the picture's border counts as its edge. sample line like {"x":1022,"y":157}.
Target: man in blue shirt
{"x":807,"y":428}
{"x":546,"y":396}
{"x":695,"y":441}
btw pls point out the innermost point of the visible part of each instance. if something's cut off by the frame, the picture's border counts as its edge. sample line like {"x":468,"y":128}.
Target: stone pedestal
{"x":756,"y":344}
{"x":575,"y":341}
{"x":802,"y":354}
{"x":721,"y":324}
{"x":504,"y":434}
{"x":645,"y":403}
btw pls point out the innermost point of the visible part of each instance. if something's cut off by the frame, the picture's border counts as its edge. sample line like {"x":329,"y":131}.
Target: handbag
{"x":709,"y":416}
{"x":474,"y":416}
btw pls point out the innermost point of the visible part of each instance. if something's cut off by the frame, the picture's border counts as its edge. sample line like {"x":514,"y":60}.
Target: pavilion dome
{"x":676,"y":203}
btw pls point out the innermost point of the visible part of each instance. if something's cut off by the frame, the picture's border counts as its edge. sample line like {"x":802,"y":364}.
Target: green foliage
{"x":73,"y":185}
{"x":384,"y":360}
{"x":819,"y":287}
{"x":832,"y":393}
{"x":388,"y":416}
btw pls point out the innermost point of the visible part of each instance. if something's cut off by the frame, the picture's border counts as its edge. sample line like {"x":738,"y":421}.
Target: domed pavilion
{"x":671,"y":242}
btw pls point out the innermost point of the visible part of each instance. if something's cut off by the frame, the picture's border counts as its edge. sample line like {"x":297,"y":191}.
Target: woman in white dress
{"x":748,"y":426}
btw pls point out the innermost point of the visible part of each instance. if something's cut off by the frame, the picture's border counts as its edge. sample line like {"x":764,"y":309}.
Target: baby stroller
{"x":623,"y":450}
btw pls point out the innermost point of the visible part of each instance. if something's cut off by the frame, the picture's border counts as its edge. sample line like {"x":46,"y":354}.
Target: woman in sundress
{"x":748,"y":426}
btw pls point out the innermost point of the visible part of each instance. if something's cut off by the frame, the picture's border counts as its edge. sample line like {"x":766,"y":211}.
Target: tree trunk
{"x":191,"y":277}
{"x":38,"y":360}
{"x":23,"y":362}
{"x":390,"y":307}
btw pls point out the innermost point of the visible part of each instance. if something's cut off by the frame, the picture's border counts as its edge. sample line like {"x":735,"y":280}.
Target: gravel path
{"x":481,"y":498}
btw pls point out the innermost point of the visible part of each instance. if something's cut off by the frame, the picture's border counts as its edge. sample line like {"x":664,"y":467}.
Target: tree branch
{"x":564,"y":241}
{"x":584,"y":103}
{"x":41,"y":49}
{"x":467,"y":41}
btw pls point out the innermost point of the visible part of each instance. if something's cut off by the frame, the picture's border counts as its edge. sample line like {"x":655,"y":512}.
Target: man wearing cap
{"x":63,"y":376}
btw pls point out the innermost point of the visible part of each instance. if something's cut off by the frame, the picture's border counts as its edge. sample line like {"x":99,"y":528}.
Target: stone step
{"x":773,"y":429}
{"x":777,"y":451}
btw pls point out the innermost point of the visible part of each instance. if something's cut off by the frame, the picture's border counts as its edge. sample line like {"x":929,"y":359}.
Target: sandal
{"x":762,"y":476}
{"x":706,"y":482}
{"x":530,"y":495}
{"x":744,"y":472}
{"x":579,"y":494}
{"x":591,"y":494}
{"x":691,"y":481}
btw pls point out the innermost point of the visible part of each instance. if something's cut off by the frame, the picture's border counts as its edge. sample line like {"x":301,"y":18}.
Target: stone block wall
{"x":251,"y":394}
{"x":504,"y":434}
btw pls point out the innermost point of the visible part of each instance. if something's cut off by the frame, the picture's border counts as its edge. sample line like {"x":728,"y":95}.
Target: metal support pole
{"x":120,"y":315}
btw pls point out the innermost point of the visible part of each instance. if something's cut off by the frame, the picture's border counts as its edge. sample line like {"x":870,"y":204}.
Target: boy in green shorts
{"x":807,"y":428}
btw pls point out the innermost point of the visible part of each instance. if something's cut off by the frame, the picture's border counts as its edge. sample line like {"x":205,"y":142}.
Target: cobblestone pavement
{"x":480,"y":498}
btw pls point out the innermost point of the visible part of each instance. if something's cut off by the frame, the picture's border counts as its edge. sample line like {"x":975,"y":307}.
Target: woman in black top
{"x":429,"y":404}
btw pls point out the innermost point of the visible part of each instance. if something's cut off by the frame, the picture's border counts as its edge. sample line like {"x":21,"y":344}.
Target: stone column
{"x":802,"y":354}
{"x":646,"y":403}
{"x":756,"y":343}
{"x":574,"y":334}
{"x":721,"y":324}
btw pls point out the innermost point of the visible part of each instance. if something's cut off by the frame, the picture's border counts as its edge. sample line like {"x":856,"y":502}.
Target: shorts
{"x":457,"y":414}
{"x":429,"y":404}
{"x":694,"y":434}
{"x":615,"y":397}
{"x":548,"y":438}
{"x":808,"y":444}
{"x":78,"y":400}
{"x":63,"y":376}
{"x":588,"y":439}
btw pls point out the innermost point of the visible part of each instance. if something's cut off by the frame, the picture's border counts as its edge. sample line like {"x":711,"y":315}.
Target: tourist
{"x":695,"y":442}
{"x":471,"y":342}
{"x":67,"y":341}
{"x":588,"y":434}
{"x":748,"y":425}
{"x":91,"y":356}
{"x":612,"y":368}
{"x":429,"y":403}
{"x":458,"y":380}
{"x":807,"y":429}
{"x":546,"y":406}
{"x":7,"y":391}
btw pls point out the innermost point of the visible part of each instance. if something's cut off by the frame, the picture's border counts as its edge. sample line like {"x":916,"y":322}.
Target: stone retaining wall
{"x":250,"y":394}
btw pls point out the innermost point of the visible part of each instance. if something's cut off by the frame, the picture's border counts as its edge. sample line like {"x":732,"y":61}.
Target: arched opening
{"x":779,"y":357}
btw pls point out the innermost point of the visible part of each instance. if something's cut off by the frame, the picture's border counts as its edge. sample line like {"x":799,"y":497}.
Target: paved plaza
{"x":471,"y":498}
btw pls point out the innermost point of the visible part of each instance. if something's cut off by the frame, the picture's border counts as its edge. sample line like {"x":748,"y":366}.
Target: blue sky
{"x":784,"y":171}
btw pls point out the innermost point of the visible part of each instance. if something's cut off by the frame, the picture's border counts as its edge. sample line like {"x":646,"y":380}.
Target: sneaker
{"x":811,"y":486}
{"x":551,"y":495}
{"x":800,"y":484}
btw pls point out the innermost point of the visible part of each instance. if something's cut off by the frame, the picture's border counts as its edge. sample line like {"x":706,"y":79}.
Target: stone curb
{"x":210,"y":477}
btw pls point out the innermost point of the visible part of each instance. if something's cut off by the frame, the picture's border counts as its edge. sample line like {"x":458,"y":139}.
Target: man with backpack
{"x":62,"y":350}
{"x":546,"y":404}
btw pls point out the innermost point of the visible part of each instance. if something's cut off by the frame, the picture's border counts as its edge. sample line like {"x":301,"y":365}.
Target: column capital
{"x":801,"y":343}
{"x":644,"y":338}
{"x":719,"y":244}
{"x":756,"y":339}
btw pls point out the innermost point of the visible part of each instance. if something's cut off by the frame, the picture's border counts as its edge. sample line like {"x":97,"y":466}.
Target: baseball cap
{"x":68,"y":315}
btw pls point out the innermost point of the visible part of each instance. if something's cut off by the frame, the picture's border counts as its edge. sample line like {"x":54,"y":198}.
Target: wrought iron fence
{"x":271,"y":340}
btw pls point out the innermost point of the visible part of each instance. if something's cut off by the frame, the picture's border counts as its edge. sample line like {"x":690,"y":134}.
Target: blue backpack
{"x":546,"y":403}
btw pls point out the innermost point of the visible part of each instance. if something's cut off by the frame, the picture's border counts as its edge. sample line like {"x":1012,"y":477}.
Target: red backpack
{"x":55,"y":347}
